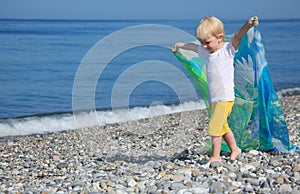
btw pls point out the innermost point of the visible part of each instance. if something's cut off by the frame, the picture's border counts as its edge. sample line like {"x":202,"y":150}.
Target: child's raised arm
{"x":253,"y":21}
{"x":186,"y":46}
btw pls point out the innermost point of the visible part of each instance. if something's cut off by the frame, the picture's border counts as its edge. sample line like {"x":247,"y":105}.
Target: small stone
{"x":296,"y":168}
{"x":229,"y":167}
{"x":55,"y":157}
{"x":253,"y":152}
{"x":110,"y":168}
{"x":232,"y":175}
{"x":103,"y":185}
{"x":46,"y":161}
{"x":152,"y":189}
{"x":136,"y":190}
{"x":286,"y":167}
{"x":286,"y":188}
{"x":119,"y":191}
{"x":279,"y":180}
{"x":195,"y":173}
{"x":150,"y":164}
{"x":62,"y":165}
{"x":161,"y":175}
{"x":131,"y":182}
{"x":249,"y":167}
{"x":141,"y":185}
{"x":177,"y":178}
{"x":96,"y":186}
{"x":270,"y":171}
{"x":263,"y":184}
{"x":248,"y":188}
{"x":176,"y":185}
{"x":253,"y":181}
{"x":297,"y":175}
{"x":195,"y":190}
{"x":235,"y":185}
{"x":274,"y":162}
{"x":170,"y":166}
{"x":217,"y":187}
{"x":287,"y":180}
{"x":215,"y":164}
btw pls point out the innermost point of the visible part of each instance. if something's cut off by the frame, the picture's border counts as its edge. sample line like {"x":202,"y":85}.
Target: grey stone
{"x":217,"y":187}
{"x":253,"y":181}
{"x":215,"y":164}
{"x":286,"y":188}
{"x":176,"y":185}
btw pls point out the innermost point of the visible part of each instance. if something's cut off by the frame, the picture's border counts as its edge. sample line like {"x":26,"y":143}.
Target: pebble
{"x":215,"y":164}
{"x":253,"y":152}
{"x":164,"y":154}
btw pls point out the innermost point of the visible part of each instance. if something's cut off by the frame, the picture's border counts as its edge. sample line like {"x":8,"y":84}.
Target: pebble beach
{"x":164,"y":154}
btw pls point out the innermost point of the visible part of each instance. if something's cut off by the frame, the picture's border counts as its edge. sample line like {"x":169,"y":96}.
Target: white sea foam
{"x":63,"y":122}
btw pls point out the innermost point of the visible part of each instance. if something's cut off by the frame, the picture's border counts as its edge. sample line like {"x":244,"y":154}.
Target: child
{"x":219,"y":58}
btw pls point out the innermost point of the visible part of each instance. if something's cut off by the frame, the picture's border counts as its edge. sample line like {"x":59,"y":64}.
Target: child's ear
{"x":220,"y":37}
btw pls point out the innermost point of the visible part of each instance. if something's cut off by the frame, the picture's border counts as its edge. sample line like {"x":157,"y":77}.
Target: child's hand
{"x":253,"y":21}
{"x":175,"y":47}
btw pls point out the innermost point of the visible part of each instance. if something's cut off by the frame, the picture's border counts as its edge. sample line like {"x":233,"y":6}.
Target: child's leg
{"x":230,"y":140}
{"x":216,"y":148}
{"x":215,"y":129}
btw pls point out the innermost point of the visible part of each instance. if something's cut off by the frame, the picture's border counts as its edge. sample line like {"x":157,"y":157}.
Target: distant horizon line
{"x":164,"y":19}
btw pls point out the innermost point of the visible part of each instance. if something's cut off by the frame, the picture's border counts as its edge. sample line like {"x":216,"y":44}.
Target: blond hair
{"x":208,"y":27}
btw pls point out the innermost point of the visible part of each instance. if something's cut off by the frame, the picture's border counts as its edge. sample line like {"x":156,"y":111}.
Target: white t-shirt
{"x":219,"y":72}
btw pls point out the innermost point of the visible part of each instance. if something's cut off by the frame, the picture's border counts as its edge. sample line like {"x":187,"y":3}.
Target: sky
{"x":148,"y":9}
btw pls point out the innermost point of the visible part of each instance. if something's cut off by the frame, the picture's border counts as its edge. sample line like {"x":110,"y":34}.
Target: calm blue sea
{"x":40,"y":61}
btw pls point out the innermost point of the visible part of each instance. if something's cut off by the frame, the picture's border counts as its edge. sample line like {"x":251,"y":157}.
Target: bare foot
{"x":215,"y":159}
{"x":234,"y":154}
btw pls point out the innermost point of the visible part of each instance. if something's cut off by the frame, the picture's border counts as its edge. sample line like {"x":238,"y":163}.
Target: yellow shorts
{"x":218,"y":125}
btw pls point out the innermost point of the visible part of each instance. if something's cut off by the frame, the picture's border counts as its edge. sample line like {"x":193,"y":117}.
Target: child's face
{"x":212,"y":44}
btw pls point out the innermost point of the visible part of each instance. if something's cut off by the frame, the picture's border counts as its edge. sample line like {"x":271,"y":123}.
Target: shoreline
{"x":62,"y":121}
{"x":163,"y":154}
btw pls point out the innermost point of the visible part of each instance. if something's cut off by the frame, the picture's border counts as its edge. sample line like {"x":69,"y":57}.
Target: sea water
{"x":41,"y":62}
